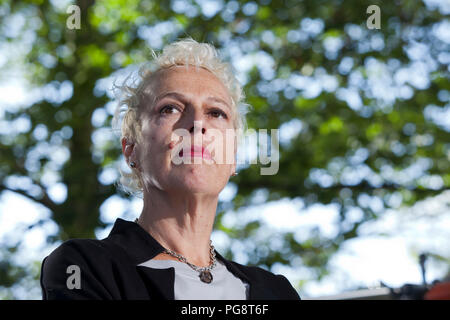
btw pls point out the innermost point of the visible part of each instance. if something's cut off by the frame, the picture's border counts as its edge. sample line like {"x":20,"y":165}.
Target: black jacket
{"x":109,"y":270}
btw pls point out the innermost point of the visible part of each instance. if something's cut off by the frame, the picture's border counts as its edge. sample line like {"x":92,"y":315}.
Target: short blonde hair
{"x":186,"y":52}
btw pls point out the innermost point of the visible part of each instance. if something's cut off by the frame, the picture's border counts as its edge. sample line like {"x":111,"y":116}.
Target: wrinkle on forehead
{"x":152,"y":86}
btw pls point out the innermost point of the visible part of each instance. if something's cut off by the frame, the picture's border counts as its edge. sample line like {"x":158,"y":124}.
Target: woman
{"x":175,"y":132}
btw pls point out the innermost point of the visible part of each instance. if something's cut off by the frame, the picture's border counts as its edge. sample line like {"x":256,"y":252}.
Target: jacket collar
{"x":137,"y":243}
{"x":141,"y":246}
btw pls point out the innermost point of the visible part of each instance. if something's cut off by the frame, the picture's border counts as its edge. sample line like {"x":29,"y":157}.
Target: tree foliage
{"x":364,"y":107}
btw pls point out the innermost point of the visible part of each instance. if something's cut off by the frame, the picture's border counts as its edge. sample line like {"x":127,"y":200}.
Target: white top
{"x":188,"y":286}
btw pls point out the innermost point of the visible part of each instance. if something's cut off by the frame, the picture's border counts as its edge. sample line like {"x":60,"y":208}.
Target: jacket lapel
{"x":158,"y":281}
{"x":256,"y":292}
{"x":138,"y":244}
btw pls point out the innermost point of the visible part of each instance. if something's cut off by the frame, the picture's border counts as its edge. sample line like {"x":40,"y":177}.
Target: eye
{"x":216,"y":113}
{"x":168,"y":109}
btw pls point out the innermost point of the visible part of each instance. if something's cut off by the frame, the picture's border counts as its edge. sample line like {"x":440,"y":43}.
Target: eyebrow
{"x":181,"y":97}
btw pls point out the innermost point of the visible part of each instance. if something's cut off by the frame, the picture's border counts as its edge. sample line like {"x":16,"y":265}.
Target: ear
{"x":127,"y":148}
{"x":234,"y":164}
{"x":232,"y":168}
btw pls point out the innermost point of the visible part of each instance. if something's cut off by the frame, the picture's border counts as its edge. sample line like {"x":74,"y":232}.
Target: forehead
{"x":191,"y":81}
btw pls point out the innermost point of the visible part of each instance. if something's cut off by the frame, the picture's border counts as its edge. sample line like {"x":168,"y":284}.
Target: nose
{"x":195,"y":119}
{"x":197,"y":126}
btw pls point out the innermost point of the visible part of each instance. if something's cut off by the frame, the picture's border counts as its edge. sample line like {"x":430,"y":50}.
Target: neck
{"x":182,"y":224}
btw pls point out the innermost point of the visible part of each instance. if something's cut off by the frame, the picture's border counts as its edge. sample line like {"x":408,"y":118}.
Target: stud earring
{"x":234,"y":174}
{"x":133,"y":164}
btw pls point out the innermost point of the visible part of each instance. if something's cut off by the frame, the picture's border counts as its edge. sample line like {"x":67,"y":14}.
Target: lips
{"x":197,"y":151}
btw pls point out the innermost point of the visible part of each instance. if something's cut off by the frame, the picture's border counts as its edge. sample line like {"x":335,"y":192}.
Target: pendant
{"x":206,"y":276}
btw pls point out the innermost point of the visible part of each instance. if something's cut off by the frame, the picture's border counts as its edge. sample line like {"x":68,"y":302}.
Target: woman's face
{"x":190,"y":109}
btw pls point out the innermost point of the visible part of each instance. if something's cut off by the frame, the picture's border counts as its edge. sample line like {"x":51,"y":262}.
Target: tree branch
{"x":45,"y":200}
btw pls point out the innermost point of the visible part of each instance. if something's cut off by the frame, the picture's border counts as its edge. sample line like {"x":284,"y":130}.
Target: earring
{"x":133,"y":164}
{"x":234,"y":174}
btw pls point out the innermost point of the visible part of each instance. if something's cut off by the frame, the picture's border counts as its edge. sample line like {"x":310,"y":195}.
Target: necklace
{"x":204,"y":272}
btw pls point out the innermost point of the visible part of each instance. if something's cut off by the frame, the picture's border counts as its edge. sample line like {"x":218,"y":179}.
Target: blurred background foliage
{"x":363,"y":114}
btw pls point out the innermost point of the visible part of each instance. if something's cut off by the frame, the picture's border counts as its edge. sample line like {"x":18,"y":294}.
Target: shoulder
{"x":87,"y":259}
{"x":277,"y":282}
{"x":77,"y":250}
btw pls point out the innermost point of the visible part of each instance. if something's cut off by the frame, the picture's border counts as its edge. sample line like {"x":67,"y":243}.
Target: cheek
{"x":153,"y":141}
{"x":223,"y":144}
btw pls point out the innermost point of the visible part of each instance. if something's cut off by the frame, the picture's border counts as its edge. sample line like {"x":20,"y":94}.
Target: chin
{"x":198,"y":179}
{"x":189,"y":187}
